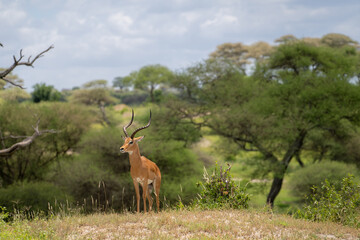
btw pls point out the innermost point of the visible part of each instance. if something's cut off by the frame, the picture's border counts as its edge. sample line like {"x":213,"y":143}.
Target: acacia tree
{"x":94,"y":93}
{"x":241,"y":55}
{"x":149,"y":78}
{"x":312,"y":93}
{"x":302,"y":91}
{"x":19,"y":61}
{"x":43,"y":92}
{"x":121,"y":83}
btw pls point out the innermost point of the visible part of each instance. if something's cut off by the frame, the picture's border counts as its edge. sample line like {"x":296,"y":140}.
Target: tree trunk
{"x":275,"y":190}
{"x":152,"y":97}
{"x":280,"y":172}
{"x":102,"y":110}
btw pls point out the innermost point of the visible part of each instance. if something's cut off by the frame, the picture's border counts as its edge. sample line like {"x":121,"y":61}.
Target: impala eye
{"x":131,"y":142}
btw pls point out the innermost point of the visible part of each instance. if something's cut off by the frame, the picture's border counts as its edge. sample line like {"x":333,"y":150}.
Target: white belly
{"x":141,"y":181}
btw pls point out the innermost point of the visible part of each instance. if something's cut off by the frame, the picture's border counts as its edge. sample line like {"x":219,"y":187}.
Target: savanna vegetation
{"x":284,"y":118}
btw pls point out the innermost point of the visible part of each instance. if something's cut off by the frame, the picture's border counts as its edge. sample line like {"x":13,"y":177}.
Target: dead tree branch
{"x":19,"y":62}
{"x":27,"y":141}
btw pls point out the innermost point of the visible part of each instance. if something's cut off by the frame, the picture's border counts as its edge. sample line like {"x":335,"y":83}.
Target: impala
{"x":142,"y":170}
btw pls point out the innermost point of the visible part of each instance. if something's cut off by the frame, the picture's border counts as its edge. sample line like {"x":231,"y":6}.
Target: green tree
{"x":33,"y":162}
{"x":337,"y":40}
{"x":100,"y":83}
{"x":8,"y":78}
{"x":300,"y":92}
{"x":236,"y":53}
{"x":11,"y":77}
{"x":14,"y":95}
{"x":94,"y":93}
{"x":150,"y":78}
{"x":121,"y":83}
{"x":43,"y":92}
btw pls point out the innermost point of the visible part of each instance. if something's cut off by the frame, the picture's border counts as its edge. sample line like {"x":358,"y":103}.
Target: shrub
{"x":42,"y":92}
{"x":94,"y":187}
{"x":305,"y":178}
{"x":32,"y":163}
{"x":178,"y":165}
{"x":220,"y":191}
{"x":103,"y":147}
{"x":328,"y":204}
{"x":30,"y":198}
{"x":4,"y":215}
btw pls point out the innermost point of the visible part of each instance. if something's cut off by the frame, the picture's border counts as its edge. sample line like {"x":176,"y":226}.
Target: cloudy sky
{"x":104,"y":39}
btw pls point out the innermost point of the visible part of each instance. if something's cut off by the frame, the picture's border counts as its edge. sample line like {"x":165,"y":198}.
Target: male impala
{"x":142,"y":170}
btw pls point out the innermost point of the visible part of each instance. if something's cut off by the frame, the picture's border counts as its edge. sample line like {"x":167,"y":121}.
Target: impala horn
{"x":125,"y":127}
{"x":139,"y":129}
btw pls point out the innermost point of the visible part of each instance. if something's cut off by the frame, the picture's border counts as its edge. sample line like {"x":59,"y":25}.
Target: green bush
{"x":4,"y":215}
{"x":32,"y":197}
{"x":180,"y":169}
{"x":131,"y":97}
{"x":103,"y":147}
{"x":94,"y":187}
{"x":32,"y":162}
{"x":220,"y":191}
{"x":305,"y":178}
{"x":328,"y":204}
{"x":42,"y":92}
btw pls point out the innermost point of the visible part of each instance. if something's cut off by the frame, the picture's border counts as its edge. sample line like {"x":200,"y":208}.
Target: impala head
{"x":130,"y":143}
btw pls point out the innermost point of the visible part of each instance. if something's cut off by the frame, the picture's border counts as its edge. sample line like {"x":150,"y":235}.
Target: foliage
{"x":102,"y":146}
{"x":166,"y":125}
{"x":149,"y":78}
{"x":299,"y":90}
{"x":4,"y":214}
{"x":120,"y":83}
{"x":220,"y":191}
{"x":95,"y":84}
{"x":179,"y":167}
{"x":13,"y":78}
{"x":32,"y":163}
{"x":101,"y":164}
{"x":92,"y":96}
{"x":240,"y":54}
{"x":131,"y":97}
{"x":97,"y":178}
{"x":32,"y":198}
{"x":337,"y":40}
{"x":14,"y":95}
{"x":329,"y":204}
{"x":43,"y":92}
{"x":93,"y":187}
{"x":302,"y":180}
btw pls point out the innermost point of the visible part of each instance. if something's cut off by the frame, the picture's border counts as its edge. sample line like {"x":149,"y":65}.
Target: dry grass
{"x":227,"y":224}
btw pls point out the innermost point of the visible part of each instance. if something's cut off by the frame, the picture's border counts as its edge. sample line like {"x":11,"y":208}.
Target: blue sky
{"x":110,"y":38}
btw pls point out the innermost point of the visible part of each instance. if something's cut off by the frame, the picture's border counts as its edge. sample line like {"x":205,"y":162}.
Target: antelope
{"x":142,"y":170}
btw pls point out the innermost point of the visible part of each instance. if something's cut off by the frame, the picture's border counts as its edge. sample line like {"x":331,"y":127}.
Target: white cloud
{"x":122,"y":22}
{"x":10,"y":16}
{"x":220,"y":20}
{"x":111,"y":38}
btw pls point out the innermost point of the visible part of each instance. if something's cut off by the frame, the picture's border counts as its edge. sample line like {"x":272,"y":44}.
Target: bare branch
{"x":18,"y":62}
{"x":2,"y":139}
{"x":12,"y":83}
{"x":27,"y":141}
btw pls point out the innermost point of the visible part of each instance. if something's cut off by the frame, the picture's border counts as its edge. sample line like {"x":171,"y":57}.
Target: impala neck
{"x":134,"y":156}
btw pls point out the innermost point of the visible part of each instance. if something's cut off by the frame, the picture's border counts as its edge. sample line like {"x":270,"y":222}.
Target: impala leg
{"x":145,"y":190}
{"x":157,"y":192}
{"x":149,"y":199}
{"x":136,"y":185}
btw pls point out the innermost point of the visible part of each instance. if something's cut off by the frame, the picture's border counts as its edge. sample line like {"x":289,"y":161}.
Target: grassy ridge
{"x":227,"y":224}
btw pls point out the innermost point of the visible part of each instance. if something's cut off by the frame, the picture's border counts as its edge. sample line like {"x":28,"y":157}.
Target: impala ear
{"x":138,"y":139}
